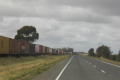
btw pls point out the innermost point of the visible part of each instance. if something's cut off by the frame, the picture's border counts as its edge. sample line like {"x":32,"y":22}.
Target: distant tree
{"x":103,"y":51}
{"x":91,"y":52}
{"x":27,"y":33}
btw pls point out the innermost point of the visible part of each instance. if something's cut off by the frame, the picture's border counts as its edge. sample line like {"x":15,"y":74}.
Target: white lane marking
{"x":108,"y":63}
{"x":90,"y":63}
{"x":63,"y":69}
{"x":94,"y":66}
{"x":103,"y":71}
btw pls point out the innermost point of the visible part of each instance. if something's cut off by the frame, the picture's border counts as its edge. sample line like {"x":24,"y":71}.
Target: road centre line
{"x":63,"y":69}
{"x":103,"y":71}
{"x":94,"y":66}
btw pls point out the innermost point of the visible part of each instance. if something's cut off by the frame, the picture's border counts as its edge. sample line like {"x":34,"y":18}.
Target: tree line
{"x":104,"y":51}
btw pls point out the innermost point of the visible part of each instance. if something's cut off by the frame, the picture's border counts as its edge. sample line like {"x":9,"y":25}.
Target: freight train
{"x":10,"y":46}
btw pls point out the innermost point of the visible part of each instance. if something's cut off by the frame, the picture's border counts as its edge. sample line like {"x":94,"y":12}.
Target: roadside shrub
{"x":91,"y":52}
{"x":103,"y":51}
{"x":97,"y":55}
{"x":118,"y":58}
{"x":113,"y":57}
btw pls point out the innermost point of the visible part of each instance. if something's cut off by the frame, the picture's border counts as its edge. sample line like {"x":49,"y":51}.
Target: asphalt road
{"x":81,"y":68}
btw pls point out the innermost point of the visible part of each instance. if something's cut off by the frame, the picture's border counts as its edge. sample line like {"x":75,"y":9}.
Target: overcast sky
{"x":80,"y":24}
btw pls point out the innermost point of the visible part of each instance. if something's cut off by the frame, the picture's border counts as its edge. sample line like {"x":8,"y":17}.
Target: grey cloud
{"x":44,"y":9}
{"x":80,"y":24}
{"x":79,"y":35}
{"x":108,"y":7}
{"x":1,"y":19}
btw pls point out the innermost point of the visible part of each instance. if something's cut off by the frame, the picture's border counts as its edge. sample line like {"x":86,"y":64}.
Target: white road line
{"x":103,"y":71}
{"x":63,"y":69}
{"x":90,"y":63}
{"x":108,"y":63}
{"x":94,"y":66}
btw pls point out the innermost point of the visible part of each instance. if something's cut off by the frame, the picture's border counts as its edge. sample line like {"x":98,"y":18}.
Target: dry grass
{"x":26,"y":69}
{"x":105,"y":59}
{"x":84,"y":54}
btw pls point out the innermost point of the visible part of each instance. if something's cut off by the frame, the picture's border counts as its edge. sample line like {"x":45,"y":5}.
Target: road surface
{"x":81,"y":68}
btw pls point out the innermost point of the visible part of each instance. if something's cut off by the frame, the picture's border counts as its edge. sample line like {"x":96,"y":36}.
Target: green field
{"x":24,"y":68}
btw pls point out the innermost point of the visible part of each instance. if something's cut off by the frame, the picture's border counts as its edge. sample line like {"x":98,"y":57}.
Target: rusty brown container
{"x":18,"y":47}
{"x":41,"y":49}
{"x":24,"y":47}
{"x":14,"y":46}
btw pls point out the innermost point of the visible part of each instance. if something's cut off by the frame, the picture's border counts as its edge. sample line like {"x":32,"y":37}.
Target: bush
{"x":91,"y":52}
{"x":97,"y":55}
{"x":113,"y":57}
{"x":118,"y":58}
{"x":103,"y":51}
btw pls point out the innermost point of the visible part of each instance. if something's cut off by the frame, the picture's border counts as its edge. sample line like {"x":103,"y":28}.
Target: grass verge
{"x":103,"y":59}
{"x":25,"y":68}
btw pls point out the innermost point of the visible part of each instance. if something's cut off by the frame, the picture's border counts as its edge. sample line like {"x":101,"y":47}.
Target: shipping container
{"x":4,"y":45}
{"x":45,"y":50}
{"x":31,"y":48}
{"x":14,"y":46}
{"x":50,"y":50}
{"x":37,"y":49}
{"x":61,"y":51}
{"x":41,"y":49}
{"x":57,"y":51}
{"x":24,"y":47}
{"x":54,"y":51}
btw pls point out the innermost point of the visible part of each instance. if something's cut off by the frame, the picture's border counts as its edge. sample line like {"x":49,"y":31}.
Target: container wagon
{"x":24,"y":47}
{"x":50,"y":50}
{"x":31,"y":48}
{"x":57,"y":51}
{"x":41,"y":49}
{"x":47,"y":50}
{"x":37,"y":49}
{"x":4,"y":45}
{"x":14,"y":46}
{"x":54,"y":51}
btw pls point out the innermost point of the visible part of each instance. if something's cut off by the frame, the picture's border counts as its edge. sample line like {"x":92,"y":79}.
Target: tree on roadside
{"x":91,"y":52}
{"x":103,"y":51}
{"x":27,"y":33}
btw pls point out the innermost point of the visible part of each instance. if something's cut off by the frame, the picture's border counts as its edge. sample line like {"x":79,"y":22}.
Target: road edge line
{"x":63,"y":69}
